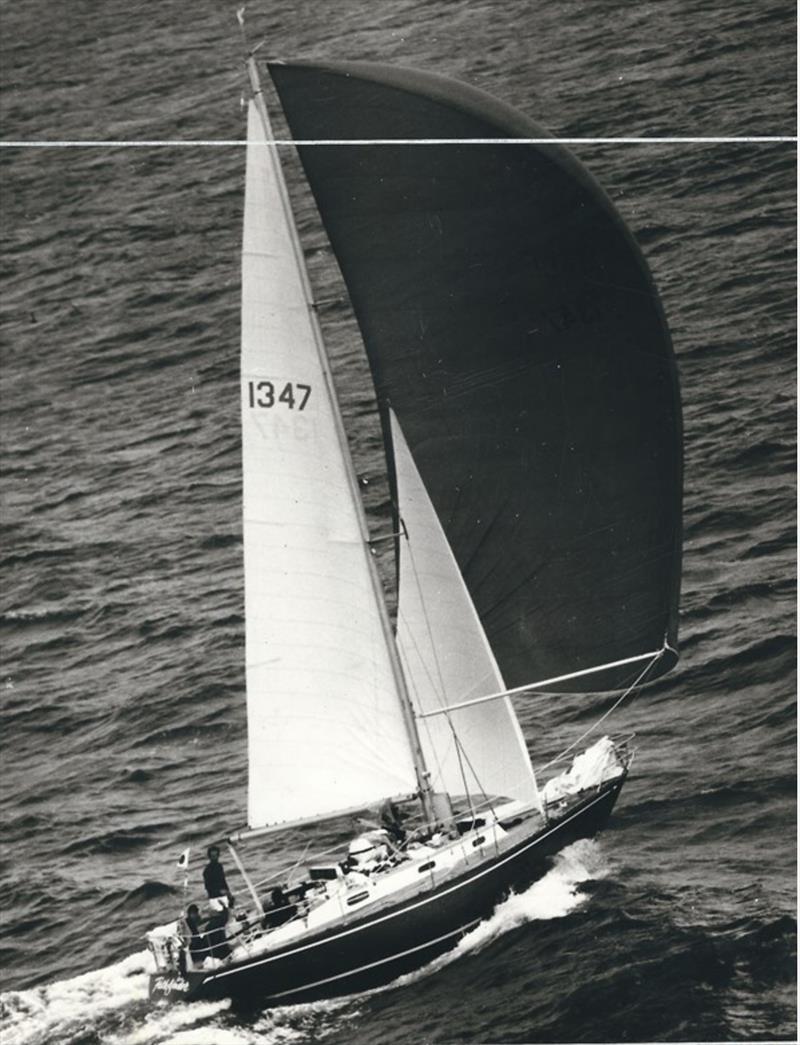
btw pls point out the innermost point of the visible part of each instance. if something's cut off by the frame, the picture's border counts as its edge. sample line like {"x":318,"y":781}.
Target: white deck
{"x":349,"y":896}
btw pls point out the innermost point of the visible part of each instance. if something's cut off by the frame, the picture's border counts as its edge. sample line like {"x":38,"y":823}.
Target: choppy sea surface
{"x":122,"y":613}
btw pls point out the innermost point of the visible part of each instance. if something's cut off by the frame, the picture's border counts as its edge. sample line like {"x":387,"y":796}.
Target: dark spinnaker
{"x":512,"y":324}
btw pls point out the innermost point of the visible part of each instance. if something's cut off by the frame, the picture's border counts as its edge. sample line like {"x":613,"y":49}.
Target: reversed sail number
{"x":264,"y":393}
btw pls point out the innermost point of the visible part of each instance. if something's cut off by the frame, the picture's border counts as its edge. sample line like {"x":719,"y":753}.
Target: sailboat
{"x":529,"y":403}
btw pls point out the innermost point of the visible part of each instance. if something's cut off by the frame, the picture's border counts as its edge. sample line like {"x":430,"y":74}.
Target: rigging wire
{"x":458,"y":745}
{"x":440,"y":692}
{"x":433,"y":748}
{"x":639,"y":678}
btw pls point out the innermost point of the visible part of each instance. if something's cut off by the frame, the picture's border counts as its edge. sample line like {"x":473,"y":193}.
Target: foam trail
{"x":97,"y":1006}
{"x":169,"y":1025}
{"x":61,"y":1011}
{"x":553,"y":896}
{"x":290,"y":1025}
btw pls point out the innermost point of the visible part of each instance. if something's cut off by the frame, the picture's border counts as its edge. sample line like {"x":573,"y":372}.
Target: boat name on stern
{"x":169,"y":984}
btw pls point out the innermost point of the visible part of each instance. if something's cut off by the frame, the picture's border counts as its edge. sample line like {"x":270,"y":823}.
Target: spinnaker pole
{"x":530,"y":687}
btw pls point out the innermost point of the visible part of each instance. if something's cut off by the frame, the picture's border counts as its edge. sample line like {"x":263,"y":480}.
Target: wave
{"x":70,"y":1009}
{"x":773,"y":658}
{"x":110,"y":1005}
{"x":555,"y":895}
{"x":54,"y":615}
{"x":756,"y":590}
{"x":170,"y":1026}
{"x":148,"y":890}
{"x":221,"y":540}
{"x":768,"y":949}
{"x":770,"y":546}
{"x":763,"y":650}
{"x":112,"y":841}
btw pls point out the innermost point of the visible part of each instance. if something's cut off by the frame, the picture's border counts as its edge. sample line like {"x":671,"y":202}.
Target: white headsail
{"x":447,"y":658}
{"x":325,"y":723}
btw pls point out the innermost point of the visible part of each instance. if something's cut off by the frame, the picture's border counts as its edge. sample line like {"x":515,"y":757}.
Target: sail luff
{"x":321,"y":673}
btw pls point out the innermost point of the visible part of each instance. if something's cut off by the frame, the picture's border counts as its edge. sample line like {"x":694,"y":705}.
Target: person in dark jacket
{"x":198,"y":947}
{"x":392,"y":823}
{"x":216,"y":936}
{"x":280,"y":910}
{"x":214,"y":876}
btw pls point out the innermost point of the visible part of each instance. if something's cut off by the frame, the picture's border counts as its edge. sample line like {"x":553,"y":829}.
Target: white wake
{"x":555,"y":895}
{"x":62,"y":1010}
{"x":110,"y":1005}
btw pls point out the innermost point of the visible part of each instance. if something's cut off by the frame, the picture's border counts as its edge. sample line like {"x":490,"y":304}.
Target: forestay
{"x":447,"y":659}
{"x":325,"y":725}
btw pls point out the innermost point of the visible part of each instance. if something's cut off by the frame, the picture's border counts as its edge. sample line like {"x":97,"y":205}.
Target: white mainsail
{"x":447,"y":659}
{"x":325,"y":724}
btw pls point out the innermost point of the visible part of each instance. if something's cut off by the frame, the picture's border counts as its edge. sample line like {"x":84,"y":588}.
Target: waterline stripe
{"x":462,"y":930}
{"x":284,"y":142}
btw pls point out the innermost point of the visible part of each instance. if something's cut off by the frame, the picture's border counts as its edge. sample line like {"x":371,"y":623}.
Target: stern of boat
{"x":170,"y":982}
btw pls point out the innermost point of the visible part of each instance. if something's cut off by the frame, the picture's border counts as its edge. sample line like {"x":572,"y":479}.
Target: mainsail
{"x":511,"y":322}
{"x":325,"y":725}
{"x":446,"y":658}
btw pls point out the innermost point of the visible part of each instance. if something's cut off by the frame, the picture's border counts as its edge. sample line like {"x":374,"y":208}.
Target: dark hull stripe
{"x":383,"y":961}
{"x":406,"y":908}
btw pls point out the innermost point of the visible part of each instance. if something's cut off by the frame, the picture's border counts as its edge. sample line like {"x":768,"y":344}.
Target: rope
{"x":605,"y":714}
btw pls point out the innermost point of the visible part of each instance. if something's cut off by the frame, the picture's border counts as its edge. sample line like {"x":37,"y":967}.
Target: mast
{"x":421,"y":770}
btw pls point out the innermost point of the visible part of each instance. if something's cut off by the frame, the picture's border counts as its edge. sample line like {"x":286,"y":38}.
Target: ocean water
{"x":121,"y":603}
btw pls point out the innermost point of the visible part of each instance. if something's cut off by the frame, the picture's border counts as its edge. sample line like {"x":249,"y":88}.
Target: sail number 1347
{"x":267,"y":394}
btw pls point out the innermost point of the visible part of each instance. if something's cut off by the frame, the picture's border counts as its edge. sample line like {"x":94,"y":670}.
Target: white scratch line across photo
{"x":227,"y":143}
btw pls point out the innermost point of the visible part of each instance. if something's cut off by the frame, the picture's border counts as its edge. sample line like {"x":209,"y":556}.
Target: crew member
{"x":392,"y":822}
{"x":214,"y":929}
{"x":280,"y":910}
{"x":195,"y":939}
{"x":214,"y":877}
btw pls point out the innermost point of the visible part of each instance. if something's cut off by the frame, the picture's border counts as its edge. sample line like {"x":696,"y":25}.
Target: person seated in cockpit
{"x":279,"y":911}
{"x":216,"y":935}
{"x":193,"y":936}
{"x":367,"y":853}
{"x":392,"y":822}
